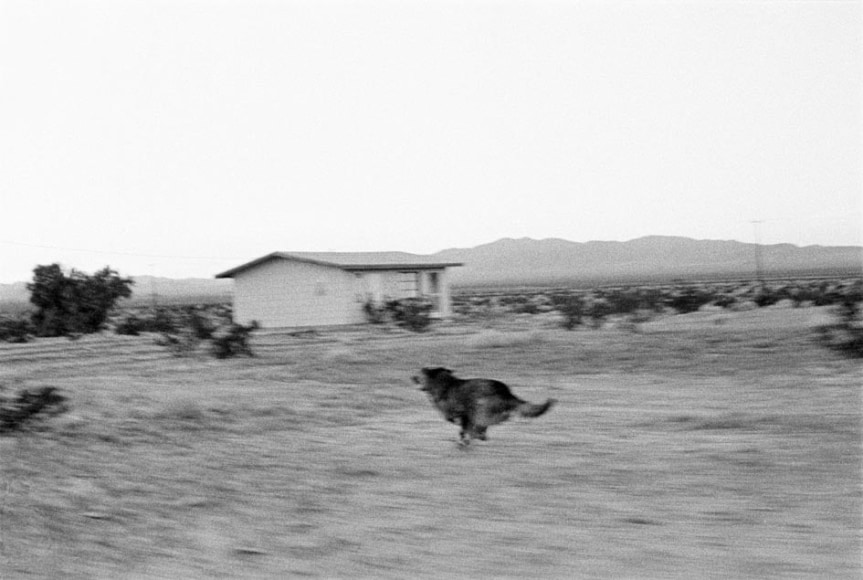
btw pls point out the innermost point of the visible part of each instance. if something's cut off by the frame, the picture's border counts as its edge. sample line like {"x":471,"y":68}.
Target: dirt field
{"x":709,"y":445}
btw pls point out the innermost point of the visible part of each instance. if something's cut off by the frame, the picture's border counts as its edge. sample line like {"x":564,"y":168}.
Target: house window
{"x":408,"y":284}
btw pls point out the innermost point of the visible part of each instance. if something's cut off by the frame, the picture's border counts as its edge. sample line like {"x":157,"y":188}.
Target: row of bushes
{"x":181,"y":329}
{"x":202,"y":320}
{"x":599,"y":303}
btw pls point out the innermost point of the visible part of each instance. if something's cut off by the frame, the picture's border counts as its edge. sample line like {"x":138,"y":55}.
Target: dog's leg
{"x":479,"y":433}
{"x":465,"y":432}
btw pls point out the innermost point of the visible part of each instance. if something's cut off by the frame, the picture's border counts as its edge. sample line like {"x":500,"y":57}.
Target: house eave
{"x":271,"y":256}
{"x":407,"y":266}
{"x":400,"y":267}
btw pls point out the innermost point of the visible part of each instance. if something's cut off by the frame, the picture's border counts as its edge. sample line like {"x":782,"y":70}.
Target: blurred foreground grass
{"x":702,"y":446}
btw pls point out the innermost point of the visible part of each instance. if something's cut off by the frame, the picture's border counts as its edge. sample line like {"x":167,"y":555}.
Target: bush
{"x":375,"y":313}
{"x":74,"y":304}
{"x":164,"y":321}
{"x":846,"y":336}
{"x":725,"y":301}
{"x":689,"y":300}
{"x":572,"y":309}
{"x":411,"y":313}
{"x":15,"y":412}
{"x":130,"y":326}
{"x":527,"y":307}
{"x":598,"y":311}
{"x":199,"y":324}
{"x":182,"y":344}
{"x":15,"y":329}
{"x":767,"y":298}
{"x":233,"y":341}
{"x":161,"y":321}
{"x":622,"y":301}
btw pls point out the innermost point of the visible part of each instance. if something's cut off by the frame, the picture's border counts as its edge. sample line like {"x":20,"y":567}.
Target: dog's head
{"x":431,"y":377}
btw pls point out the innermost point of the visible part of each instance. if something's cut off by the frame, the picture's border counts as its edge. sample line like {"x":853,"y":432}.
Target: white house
{"x":294,"y":289}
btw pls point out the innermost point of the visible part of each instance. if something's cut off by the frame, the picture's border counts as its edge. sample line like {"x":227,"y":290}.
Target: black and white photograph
{"x":433,"y":289}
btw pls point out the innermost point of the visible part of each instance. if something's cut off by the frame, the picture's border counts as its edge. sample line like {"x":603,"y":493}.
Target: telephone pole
{"x":153,"y":285}
{"x":759,"y":265}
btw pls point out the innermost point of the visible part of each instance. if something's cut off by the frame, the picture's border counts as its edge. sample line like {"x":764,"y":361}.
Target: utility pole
{"x":759,"y":266}
{"x":153,"y":285}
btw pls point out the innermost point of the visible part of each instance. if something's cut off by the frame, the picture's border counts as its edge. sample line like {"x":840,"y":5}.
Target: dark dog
{"x":474,"y":404}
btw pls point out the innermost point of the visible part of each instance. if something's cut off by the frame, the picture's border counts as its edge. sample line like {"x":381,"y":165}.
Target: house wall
{"x":286,"y":293}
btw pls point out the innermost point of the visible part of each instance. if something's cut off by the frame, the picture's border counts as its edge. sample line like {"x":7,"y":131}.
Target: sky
{"x":181,"y":138}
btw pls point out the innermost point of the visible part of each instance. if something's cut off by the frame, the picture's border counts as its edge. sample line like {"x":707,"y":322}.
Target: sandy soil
{"x":703,"y":446}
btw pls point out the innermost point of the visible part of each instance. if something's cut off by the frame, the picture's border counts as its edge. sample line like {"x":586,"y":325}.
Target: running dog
{"x":474,"y":404}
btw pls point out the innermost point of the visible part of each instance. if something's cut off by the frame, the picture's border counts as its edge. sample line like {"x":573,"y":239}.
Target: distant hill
{"x":16,"y":292}
{"x":526,"y":261}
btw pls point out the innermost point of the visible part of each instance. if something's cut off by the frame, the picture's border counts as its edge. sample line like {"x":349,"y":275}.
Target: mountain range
{"x":526,"y":261}
{"x":648,"y":259}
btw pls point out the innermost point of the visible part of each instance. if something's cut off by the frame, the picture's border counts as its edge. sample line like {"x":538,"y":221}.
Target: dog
{"x":474,"y":404}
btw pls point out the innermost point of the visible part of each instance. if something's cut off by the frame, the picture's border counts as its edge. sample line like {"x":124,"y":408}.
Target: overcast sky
{"x":180,"y":138}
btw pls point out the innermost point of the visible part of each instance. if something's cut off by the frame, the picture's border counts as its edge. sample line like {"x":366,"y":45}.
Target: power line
{"x":116,"y":253}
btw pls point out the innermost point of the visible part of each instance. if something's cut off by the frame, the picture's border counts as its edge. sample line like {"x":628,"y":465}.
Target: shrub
{"x":598,"y":311}
{"x":572,"y":309}
{"x":767,"y":298}
{"x":76,"y":303}
{"x":182,"y":344}
{"x":411,"y":313}
{"x":199,"y":324}
{"x":725,"y":301}
{"x":689,"y":300}
{"x":652,"y":299}
{"x":161,"y":321}
{"x":15,"y":329}
{"x":130,"y":326}
{"x":164,"y":321}
{"x":527,"y":307}
{"x":635,"y":319}
{"x":803,"y":295}
{"x":622,"y":301}
{"x":233,"y":341}
{"x":15,"y":412}
{"x":375,"y":313}
{"x":846,"y":335}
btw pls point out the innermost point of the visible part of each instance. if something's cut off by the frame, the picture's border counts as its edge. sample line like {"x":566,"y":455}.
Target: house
{"x":294,"y":289}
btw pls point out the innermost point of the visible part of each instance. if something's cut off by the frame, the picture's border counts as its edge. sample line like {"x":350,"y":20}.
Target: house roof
{"x":351,"y":261}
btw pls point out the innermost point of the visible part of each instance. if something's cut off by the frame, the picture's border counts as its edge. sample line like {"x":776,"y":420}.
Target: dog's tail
{"x":526,"y":409}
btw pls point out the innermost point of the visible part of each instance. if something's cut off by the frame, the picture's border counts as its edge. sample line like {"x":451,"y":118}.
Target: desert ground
{"x":705,"y":445}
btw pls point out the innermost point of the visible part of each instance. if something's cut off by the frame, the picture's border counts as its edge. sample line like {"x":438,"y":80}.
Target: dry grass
{"x":492,"y":338}
{"x":691,"y":449}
